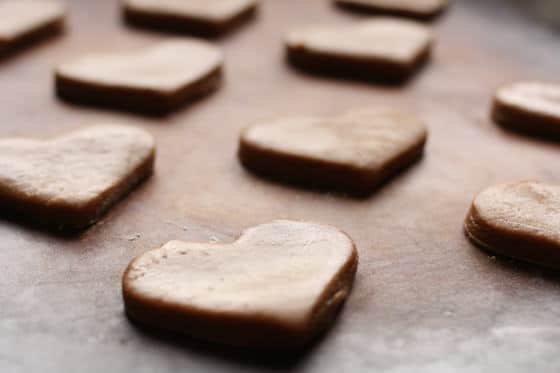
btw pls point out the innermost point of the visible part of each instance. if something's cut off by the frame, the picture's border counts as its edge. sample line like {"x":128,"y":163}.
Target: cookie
{"x":530,"y":107}
{"x":411,"y":8}
{"x":353,"y":153}
{"x":519,"y":220}
{"x":278,"y":286}
{"x":199,"y":17}
{"x":155,"y":80}
{"x":382,"y":49}
{"x":68,"y":182}
{"x":28,"y":21}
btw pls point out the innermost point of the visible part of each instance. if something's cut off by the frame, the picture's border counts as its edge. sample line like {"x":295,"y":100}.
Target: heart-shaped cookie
{"x":382,"y":49}
{"x":521,"y":220}
{"x":200,"y":17}
{"x":68,"y":182}
{"x":154,"y":80}
{"x":531,"y":107}
{"x":26,"y":21}
{"x":354,"y":152}
{"x":278,"y":286}
{"x":411,"y":8}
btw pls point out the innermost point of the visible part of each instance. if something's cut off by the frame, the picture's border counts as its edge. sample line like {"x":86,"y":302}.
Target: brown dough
{"x":155,"y":80}
{"x":530,"y":107}
{"x":67,"y":183}
{"x":27,"y":21}
{"x":411,"y":8}
{"x":200,"y":17}
{"x":382,"y":49}
{"x":278,"y":286}
{"x":354,"y":152}
{"x":520,"y":220}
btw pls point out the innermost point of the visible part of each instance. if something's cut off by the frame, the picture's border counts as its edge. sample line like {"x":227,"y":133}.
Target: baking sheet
{"x":424,"y":300}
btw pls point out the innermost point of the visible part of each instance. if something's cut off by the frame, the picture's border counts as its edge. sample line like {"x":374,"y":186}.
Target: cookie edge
{"x":183,"y":24}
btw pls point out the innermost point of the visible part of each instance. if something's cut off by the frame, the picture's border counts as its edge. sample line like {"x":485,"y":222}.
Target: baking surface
{"x":424,"y":300}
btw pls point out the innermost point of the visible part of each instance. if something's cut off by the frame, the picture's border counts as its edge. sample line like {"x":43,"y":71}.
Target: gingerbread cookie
{"x":278,"y":286}
{"x":156,"y":80}
{"x":200,"y":17}
{"x":382,"y":49}
{"x":27,"y":21}
{"x":67,"y":183}
{"x":354,"y":152}
{"x":530,"y":107}
{"x":520,"y":220}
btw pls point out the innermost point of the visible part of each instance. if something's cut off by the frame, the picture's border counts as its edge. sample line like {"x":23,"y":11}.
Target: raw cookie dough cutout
{"x":199,"y":17}
{"x":69,"y":182}
{"x":354,"y":152}
{"x":423,"y":9}
{"x":519,"y":220}
{"x":278,"y":286}
{"x":25,"y":22}
{"x":529,"y":107}
{"x":383,"y":49}
{"x":155,"y":80}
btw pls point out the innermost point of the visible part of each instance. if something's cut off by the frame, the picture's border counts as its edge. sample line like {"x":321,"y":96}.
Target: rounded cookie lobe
{"x":521,"y":220}
{"x":278,"y":286}
{"x":354,"y":152}
{"x":530,"y":107}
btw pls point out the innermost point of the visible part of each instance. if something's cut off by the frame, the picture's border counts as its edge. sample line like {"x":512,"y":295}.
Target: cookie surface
{"x":413,"y":8}
{"x":520,"y":220}
{"x":354,"y":152}
{"x":278,"y":286}
{"x":383,"y":49}
{"x":201,"y":17}
{"x":155,"y":80}
{"x":26,"y":21}
{"x":531,"y":107}
{"x":68,"y":182}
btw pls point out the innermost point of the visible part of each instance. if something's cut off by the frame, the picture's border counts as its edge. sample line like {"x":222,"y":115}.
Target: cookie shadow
{"x":24,"y":223}
{"x":109,"y":104}
{"x":277,"y":360}
{"x":358,"y":195}
{"x":511,"y":265}
{"x":324,"y":68}
{"x":526,"y":134}
{"x":24,"y":218}
{"x":368,"y":11}
{"x":34,"y":41}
